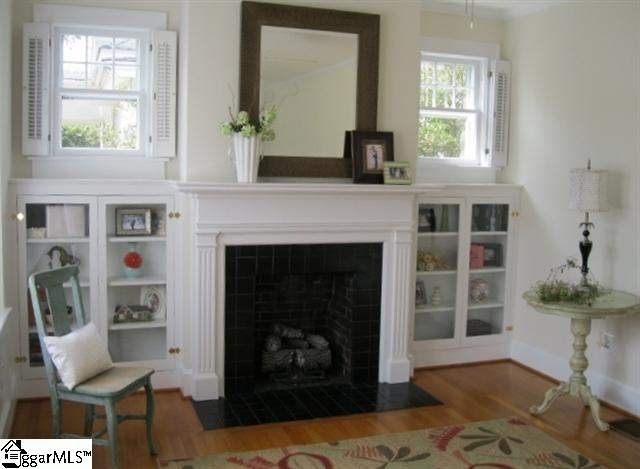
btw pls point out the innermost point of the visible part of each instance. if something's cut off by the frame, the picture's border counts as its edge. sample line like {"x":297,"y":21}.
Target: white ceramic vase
{"x":247,"y":157}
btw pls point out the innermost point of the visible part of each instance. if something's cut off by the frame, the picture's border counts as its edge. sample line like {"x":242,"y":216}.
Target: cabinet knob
{"x":176,"y":214}
{"x":170,"y":215}
{"x":20,"y":359}
{"x":18,"y":216}
{"x":172,"y":351}
{"x":508,"y":328}
{"x":177,"y":350}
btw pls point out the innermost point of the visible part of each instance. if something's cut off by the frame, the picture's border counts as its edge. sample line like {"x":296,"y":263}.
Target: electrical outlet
{"x":606,"y":340}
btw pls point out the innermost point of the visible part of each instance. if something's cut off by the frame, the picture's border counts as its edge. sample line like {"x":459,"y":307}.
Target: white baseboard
{"x":6,"y":418}
{"x":607,"y":389}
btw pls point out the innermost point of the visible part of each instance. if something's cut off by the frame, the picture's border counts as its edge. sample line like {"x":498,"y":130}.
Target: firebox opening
{"x":301,"y":315}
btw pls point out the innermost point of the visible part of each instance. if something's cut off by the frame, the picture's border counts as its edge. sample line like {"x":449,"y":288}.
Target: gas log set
{"x":292,"y":356}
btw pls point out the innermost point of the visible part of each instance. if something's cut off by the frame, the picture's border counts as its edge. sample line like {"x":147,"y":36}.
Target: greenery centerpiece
{"x":556,"y":290}
{"x":247,"y":134}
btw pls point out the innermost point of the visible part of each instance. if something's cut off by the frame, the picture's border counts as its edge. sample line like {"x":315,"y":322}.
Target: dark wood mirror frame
{"x":366,"y":26}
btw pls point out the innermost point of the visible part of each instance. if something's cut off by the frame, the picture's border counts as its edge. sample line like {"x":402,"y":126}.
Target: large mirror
{"x":320,"y":67}
{"x":311,"y":76}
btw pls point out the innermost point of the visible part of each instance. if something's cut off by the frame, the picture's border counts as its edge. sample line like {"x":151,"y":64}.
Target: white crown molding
{"x":504,"y":10}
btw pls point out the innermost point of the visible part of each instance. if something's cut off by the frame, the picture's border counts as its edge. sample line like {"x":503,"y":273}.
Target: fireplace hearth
{"x":302,"y":315}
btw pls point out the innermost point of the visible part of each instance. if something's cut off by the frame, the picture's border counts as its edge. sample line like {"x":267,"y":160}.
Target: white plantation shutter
{"x":163,"y":106}
{"x":499,"y":112}
{"x":36,"y":56}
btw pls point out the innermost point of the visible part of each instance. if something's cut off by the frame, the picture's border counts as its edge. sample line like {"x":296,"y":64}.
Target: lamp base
{"x":586,"y":245}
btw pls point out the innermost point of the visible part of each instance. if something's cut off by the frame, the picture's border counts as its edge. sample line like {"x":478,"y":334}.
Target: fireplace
{"x":301,"y":315}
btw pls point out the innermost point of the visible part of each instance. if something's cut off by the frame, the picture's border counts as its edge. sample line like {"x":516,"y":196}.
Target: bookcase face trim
{"x":96,"y":253}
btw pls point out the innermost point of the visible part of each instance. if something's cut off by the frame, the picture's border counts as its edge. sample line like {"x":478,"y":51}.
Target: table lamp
{"x":587,"y":188}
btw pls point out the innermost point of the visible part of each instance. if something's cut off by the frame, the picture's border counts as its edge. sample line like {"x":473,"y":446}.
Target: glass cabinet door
{"x":437,"y":271}
{"x":487,"y":269}
{"x":135,"y":268}
{"x":53,"y":235}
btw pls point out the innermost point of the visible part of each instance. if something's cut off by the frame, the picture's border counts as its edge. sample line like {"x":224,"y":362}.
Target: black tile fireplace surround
{"x":330,"y":290}
{"x":327,"y":289}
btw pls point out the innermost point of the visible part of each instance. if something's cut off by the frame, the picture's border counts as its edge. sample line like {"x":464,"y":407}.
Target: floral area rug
{"x":505,"y":443}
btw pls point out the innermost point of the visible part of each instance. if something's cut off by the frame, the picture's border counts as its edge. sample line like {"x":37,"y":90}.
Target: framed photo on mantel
{"x":368,"y":152}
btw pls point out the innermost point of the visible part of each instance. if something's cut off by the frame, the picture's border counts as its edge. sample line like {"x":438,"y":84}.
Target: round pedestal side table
{"x":612,"y":304}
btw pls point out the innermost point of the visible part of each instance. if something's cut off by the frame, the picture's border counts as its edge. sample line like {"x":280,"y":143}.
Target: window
{"x":452,"y":107}
{"x":98,"y":82}
{"x":101,"y":82}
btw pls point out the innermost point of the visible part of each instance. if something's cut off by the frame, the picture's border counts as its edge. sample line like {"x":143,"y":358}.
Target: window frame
{"x":142,"y":95}
{"x":480,"y":66}
{"x":485,"y":53}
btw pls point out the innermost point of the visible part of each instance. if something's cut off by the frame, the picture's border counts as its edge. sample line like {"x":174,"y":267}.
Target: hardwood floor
{"x":469,"y":393}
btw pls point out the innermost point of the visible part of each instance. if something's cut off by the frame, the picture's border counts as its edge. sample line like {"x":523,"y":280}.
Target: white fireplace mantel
{"x":296,"y":214}
{"x":221,"y":215}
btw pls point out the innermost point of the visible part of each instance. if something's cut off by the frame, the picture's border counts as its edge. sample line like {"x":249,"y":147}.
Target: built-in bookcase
{"x":84,"y":228}
{"x":463,"y":276}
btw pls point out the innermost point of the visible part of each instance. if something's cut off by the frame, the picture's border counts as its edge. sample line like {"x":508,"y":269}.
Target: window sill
{"x":449,"y":162}
{"x":98,"y":158}
{"x":92,"y":167}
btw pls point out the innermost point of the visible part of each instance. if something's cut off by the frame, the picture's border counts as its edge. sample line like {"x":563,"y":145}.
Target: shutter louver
{"x":501,"y":88}
{"x":35,"y":89}
{"x":163,"y":121}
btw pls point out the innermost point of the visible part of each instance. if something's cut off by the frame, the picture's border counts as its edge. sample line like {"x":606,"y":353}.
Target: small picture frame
{"x":398,"y":172}
{"x":421,"y":293}
{"x":426,"y":220}
{"x":492,"y":255}
{"x":368,"y":151}
{"x":133,"y":222}
{"x":153,"y":297}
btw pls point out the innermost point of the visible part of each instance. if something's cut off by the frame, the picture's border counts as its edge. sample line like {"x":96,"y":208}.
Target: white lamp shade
{"x":588,"y":190}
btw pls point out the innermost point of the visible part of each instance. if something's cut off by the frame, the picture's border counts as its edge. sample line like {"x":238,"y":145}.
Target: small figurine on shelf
{"x":132,"y":313}
{"x":479,"y":290}
{"x":132,"y":260}
{"x":436,"y":296}
{"x":428,"y":262}
{"x":60,"y":257}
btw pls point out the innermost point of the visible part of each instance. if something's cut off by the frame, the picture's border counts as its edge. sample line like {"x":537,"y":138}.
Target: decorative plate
{"x":154,"y":297}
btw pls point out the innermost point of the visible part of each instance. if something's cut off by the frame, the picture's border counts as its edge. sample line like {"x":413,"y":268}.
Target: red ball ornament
{"x":133,"y":260}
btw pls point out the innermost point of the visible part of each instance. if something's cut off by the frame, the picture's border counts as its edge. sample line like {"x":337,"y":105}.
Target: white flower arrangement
{"x":242,"y":124}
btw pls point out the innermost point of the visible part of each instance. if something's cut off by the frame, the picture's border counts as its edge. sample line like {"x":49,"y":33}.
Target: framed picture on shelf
{"x":133,"y":222}
{"x":421,"y":293}
{"x":397,"y":172}
{"x":153,"y":296}
{"x":485,"y":255}
{"x":368,"y":151}
{"x":493,"y":255}
{"x":426,"y":220}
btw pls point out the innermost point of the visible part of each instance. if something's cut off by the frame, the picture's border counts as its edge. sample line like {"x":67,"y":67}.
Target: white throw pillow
{"x":79,"y":355}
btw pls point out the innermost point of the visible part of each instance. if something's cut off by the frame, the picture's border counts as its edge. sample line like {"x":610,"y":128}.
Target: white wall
{"x":314,"y":113}
{"x":443,"y":25}
{"x":5,"y":121}
{"x":576,"y":79}
{"x":8,"y":324}
{"x":23,"y":13}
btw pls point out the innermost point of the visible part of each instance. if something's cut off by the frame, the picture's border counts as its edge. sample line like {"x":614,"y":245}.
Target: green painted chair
{"x":105,"y":389}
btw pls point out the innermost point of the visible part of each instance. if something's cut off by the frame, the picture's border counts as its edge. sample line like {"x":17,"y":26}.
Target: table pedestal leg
{"x":577,"y":384}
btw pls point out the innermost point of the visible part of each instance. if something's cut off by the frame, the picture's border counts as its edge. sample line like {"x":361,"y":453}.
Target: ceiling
{"x":289,"y":53}
{"x":494,"y":9}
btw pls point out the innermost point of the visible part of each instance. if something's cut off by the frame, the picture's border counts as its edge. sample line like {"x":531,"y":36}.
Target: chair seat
{"x":111,"y":382}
